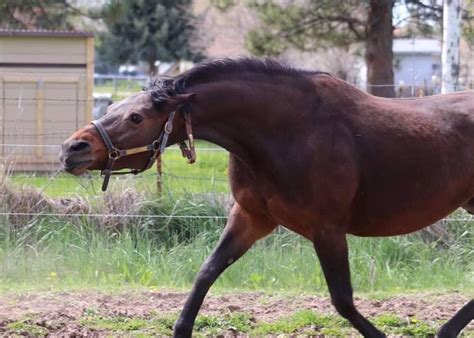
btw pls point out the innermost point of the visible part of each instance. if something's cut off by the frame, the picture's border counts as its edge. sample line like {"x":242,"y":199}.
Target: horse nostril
{"x":79,"y":146}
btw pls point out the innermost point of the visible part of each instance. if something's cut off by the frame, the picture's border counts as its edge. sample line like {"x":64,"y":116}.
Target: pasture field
{"x":153,"y":312}
{"x":122,"y":88}
{"x":147,"y":258}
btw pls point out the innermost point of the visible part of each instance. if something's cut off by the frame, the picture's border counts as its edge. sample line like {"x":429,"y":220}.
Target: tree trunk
{"x":379,"y":54}
{"x":451,"y":37}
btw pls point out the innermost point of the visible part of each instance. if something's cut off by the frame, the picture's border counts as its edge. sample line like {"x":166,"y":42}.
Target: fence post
{"x":39,"y":117}
{"x":114,"y":80}
{"x":159,"y":176}
{"x":89,"y":79}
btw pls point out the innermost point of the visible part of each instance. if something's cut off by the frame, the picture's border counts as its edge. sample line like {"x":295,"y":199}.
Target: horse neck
{"x":248,"y":119}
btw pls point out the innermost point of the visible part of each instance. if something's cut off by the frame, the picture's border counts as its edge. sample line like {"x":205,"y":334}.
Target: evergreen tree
{"x":149,"y":30}
{"x":42,"y":14}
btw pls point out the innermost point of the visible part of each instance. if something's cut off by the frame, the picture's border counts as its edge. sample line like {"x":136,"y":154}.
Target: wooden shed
{"x":46,"y":83}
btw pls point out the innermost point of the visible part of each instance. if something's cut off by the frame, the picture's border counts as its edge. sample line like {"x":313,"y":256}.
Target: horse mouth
{"x":76,"y":168}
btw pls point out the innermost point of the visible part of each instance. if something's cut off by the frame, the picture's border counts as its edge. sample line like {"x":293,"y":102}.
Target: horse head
{"x":132,"y":134}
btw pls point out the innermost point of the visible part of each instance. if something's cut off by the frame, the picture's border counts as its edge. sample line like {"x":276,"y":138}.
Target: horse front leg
{"x":331,"y":248}
{"x":243,"y":229}
{"x":459,"y":321}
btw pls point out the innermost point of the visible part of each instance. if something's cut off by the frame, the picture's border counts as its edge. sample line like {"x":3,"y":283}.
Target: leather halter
{"x":158,"y":146}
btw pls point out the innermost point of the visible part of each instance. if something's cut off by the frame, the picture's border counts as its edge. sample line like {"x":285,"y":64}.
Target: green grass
{"x":150,"y":251}
{"x":305,"y":322}
{"x":121,"y":90}
{"x":23,"y":328}
{"x":54,"y":253}
{"x":49,"y":252}
{"x":57,"y":253}
{"x":410,"y":327}
{"x":301,"y":322}
{"x":124,"y":324}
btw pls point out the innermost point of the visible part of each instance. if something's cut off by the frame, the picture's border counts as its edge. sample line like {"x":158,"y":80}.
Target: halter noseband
{"x":158,"y":146}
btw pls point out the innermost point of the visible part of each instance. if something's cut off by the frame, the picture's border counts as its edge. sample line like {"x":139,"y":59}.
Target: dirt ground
{"x":68,"y":307}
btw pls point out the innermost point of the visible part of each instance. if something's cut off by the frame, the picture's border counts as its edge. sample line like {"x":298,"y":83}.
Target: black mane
{"x":163,"y":88}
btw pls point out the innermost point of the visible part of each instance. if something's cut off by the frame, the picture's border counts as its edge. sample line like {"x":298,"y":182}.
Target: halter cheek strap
{"x":158,"y":146}
{"x":188,"y":151}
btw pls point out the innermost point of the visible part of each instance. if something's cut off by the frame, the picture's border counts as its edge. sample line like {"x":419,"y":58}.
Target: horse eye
{"x":136,"y":118}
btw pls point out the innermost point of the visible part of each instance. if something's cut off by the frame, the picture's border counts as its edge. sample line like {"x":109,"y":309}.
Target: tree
{"x":428,"y":17}
{"x":41,"y":14}
{"x":312,"y":25}
{"x":451,"y":41}
{"x":468,"y":23}
{"x":149,"y":30}
{"x":378,"y":48}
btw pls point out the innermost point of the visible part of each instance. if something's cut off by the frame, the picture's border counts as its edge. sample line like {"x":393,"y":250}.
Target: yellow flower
{"x":53,"y":274}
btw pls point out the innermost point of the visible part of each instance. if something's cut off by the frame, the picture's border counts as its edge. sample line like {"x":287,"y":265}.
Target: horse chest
{"x":258,"y":196}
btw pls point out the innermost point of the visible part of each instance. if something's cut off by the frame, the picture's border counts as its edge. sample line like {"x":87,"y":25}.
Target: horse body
{"x":309,"y":152}
{"x":416,"y":162}
{"x":378,"y":167}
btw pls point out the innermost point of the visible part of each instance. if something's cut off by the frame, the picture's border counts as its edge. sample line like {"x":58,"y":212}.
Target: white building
{"x":417,"y":62}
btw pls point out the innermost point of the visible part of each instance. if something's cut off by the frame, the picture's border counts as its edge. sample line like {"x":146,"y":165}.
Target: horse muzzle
{"x":76,"y":156}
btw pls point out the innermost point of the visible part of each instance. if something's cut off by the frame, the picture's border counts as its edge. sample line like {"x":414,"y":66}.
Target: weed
{"x":301,"y":320}
{"x":24,"y":329}
{"x":130,"y":325}
{"x":389,"y":320}
{"x":410,"y":327}
{"x":213,"y":325}
{"x":418,"y":329}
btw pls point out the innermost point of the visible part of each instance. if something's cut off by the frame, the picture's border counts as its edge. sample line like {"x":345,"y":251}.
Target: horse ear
{"x":182,"y":99}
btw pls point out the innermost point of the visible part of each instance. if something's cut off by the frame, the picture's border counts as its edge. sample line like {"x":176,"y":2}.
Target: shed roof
{"x":416,"y":46}
{"x":43,"y":32}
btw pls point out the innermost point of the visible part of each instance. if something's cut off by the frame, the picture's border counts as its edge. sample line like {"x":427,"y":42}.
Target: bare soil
{"x":59,"y":312}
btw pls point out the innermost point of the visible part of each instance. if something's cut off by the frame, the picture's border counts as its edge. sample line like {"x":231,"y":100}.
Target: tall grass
{"x":47,"y":252}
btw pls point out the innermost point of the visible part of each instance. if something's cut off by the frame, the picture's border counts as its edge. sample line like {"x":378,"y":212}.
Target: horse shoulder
{"x":244,"y":188}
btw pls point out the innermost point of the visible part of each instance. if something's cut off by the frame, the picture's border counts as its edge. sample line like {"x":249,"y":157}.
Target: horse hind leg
{"x":332,"y":252}
{"x":459,"y":321}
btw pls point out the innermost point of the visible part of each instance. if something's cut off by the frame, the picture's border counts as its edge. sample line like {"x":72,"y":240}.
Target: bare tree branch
{"x":419,"y":3}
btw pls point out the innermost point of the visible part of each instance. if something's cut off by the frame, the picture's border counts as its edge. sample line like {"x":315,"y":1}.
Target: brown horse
{"x":308,"y":151}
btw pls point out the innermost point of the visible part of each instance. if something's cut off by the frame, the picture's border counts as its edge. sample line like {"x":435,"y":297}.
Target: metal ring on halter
{"x":155,"y":145}
{"x":114,"y":154}
{"x":168,"y":128}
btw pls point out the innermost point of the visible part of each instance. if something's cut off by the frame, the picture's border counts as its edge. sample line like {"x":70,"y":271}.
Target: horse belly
{"x":396,"y":224}
{"x":412,"y":206}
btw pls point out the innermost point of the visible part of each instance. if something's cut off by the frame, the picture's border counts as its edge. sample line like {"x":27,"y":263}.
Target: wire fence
{"x":178,"y":179}
{"x":23,"y":166}
{"x":29,"y":163}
